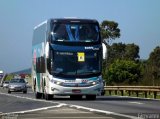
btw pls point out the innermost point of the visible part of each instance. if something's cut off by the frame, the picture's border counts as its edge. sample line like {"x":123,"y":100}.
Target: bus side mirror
{"x":104,"y":51}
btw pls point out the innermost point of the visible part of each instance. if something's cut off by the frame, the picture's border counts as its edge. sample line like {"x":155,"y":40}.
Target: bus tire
{"x":9,"y":91}
{"x":48,"y":97}
{"x":34,"y":85}
{"x":38,"y":95}
{"x":25,"y":92}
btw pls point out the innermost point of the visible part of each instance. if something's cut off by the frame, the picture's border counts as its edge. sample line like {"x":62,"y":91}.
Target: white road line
{"x":139,"y":103}
{"x":63,"y":104}
{"x":40,"y":100}
{"x":104,"y":112}
{"x":74,"y":117}
{"x":38,"y":109}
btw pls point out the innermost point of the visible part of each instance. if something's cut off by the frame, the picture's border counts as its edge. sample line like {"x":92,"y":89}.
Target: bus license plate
{"x":76,"y":90}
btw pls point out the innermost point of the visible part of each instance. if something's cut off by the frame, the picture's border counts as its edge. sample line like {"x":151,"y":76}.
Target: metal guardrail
{"x":134,"y":89}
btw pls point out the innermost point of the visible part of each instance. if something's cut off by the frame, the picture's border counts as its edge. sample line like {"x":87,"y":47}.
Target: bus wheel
{"x":90,"y":97}
{"x":38,"y":95}
{"x":48,"y":96}
{"x":9,"y":91}
{"x":25,"y":91}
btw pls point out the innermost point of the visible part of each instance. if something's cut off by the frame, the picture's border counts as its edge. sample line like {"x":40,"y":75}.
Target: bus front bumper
{"x":60,"y":90}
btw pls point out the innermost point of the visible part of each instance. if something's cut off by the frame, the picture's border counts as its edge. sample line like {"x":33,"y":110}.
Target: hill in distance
{"x":25,"y":71}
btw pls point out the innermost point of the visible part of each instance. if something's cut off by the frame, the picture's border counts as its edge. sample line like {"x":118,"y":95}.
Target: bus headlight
{"x":58,"y":82}
{"x":94,"y":83}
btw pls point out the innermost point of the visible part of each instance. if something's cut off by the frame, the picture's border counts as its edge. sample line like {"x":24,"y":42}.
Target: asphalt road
{"x":106,"y":106}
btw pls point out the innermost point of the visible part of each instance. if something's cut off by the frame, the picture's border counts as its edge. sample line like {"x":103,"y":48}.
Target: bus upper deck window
{"x":59,"y":32}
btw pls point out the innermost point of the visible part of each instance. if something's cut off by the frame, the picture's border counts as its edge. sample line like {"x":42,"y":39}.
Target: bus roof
{"x":67,"y":20}
{"x":70,"y":20}
{"x":44,"y":22}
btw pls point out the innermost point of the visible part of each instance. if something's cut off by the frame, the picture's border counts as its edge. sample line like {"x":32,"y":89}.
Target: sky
{"x":139,"y":21}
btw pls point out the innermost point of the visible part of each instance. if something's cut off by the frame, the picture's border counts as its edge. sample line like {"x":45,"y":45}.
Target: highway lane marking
{"x":68,"y":110}
{"x":33,"y":110}
{"x":74,"y":117}
{"x":23,"y":97}
{"x":139,"y":103}
{"x":137,"y":98}
{"x":38,"y":109}
{"x":63,"y":104}
{"x":103,"y":111}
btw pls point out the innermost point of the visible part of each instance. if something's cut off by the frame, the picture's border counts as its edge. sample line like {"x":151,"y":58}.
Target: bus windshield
{"x":66,"y":64}
{"x":75,"y":32}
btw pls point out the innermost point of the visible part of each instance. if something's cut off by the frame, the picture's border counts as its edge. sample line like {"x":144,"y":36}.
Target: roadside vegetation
{"x":123,"y":65}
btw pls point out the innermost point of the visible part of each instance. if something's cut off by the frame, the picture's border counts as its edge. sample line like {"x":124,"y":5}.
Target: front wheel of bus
{"x":38,"y":95}
{"x":48,"y":97}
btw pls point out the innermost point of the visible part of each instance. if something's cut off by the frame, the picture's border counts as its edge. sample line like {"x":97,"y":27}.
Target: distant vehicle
{"x":5,"y":84}
{"x":17,"y":85}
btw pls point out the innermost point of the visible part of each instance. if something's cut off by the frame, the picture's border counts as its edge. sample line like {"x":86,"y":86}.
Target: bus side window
{"x":82,"y":33}
{"x":50,"y":62}
{"x":40,"y":65}
{"x":43,"y":65}
{"x":60,"y":33}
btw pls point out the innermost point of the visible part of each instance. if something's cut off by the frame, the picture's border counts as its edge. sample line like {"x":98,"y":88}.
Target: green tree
{"x":122,"y":51}
{"x":123,"y":71}
{"x":9,"y":77}
{"x":154,"y":65}
{"x":109,"y":31}
{"x":154,"y":57}
{"x":131,"y":52}
{"x":114,"y":52}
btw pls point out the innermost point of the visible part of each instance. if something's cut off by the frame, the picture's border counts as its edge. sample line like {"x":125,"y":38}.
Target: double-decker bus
{"x":67,"y":58}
